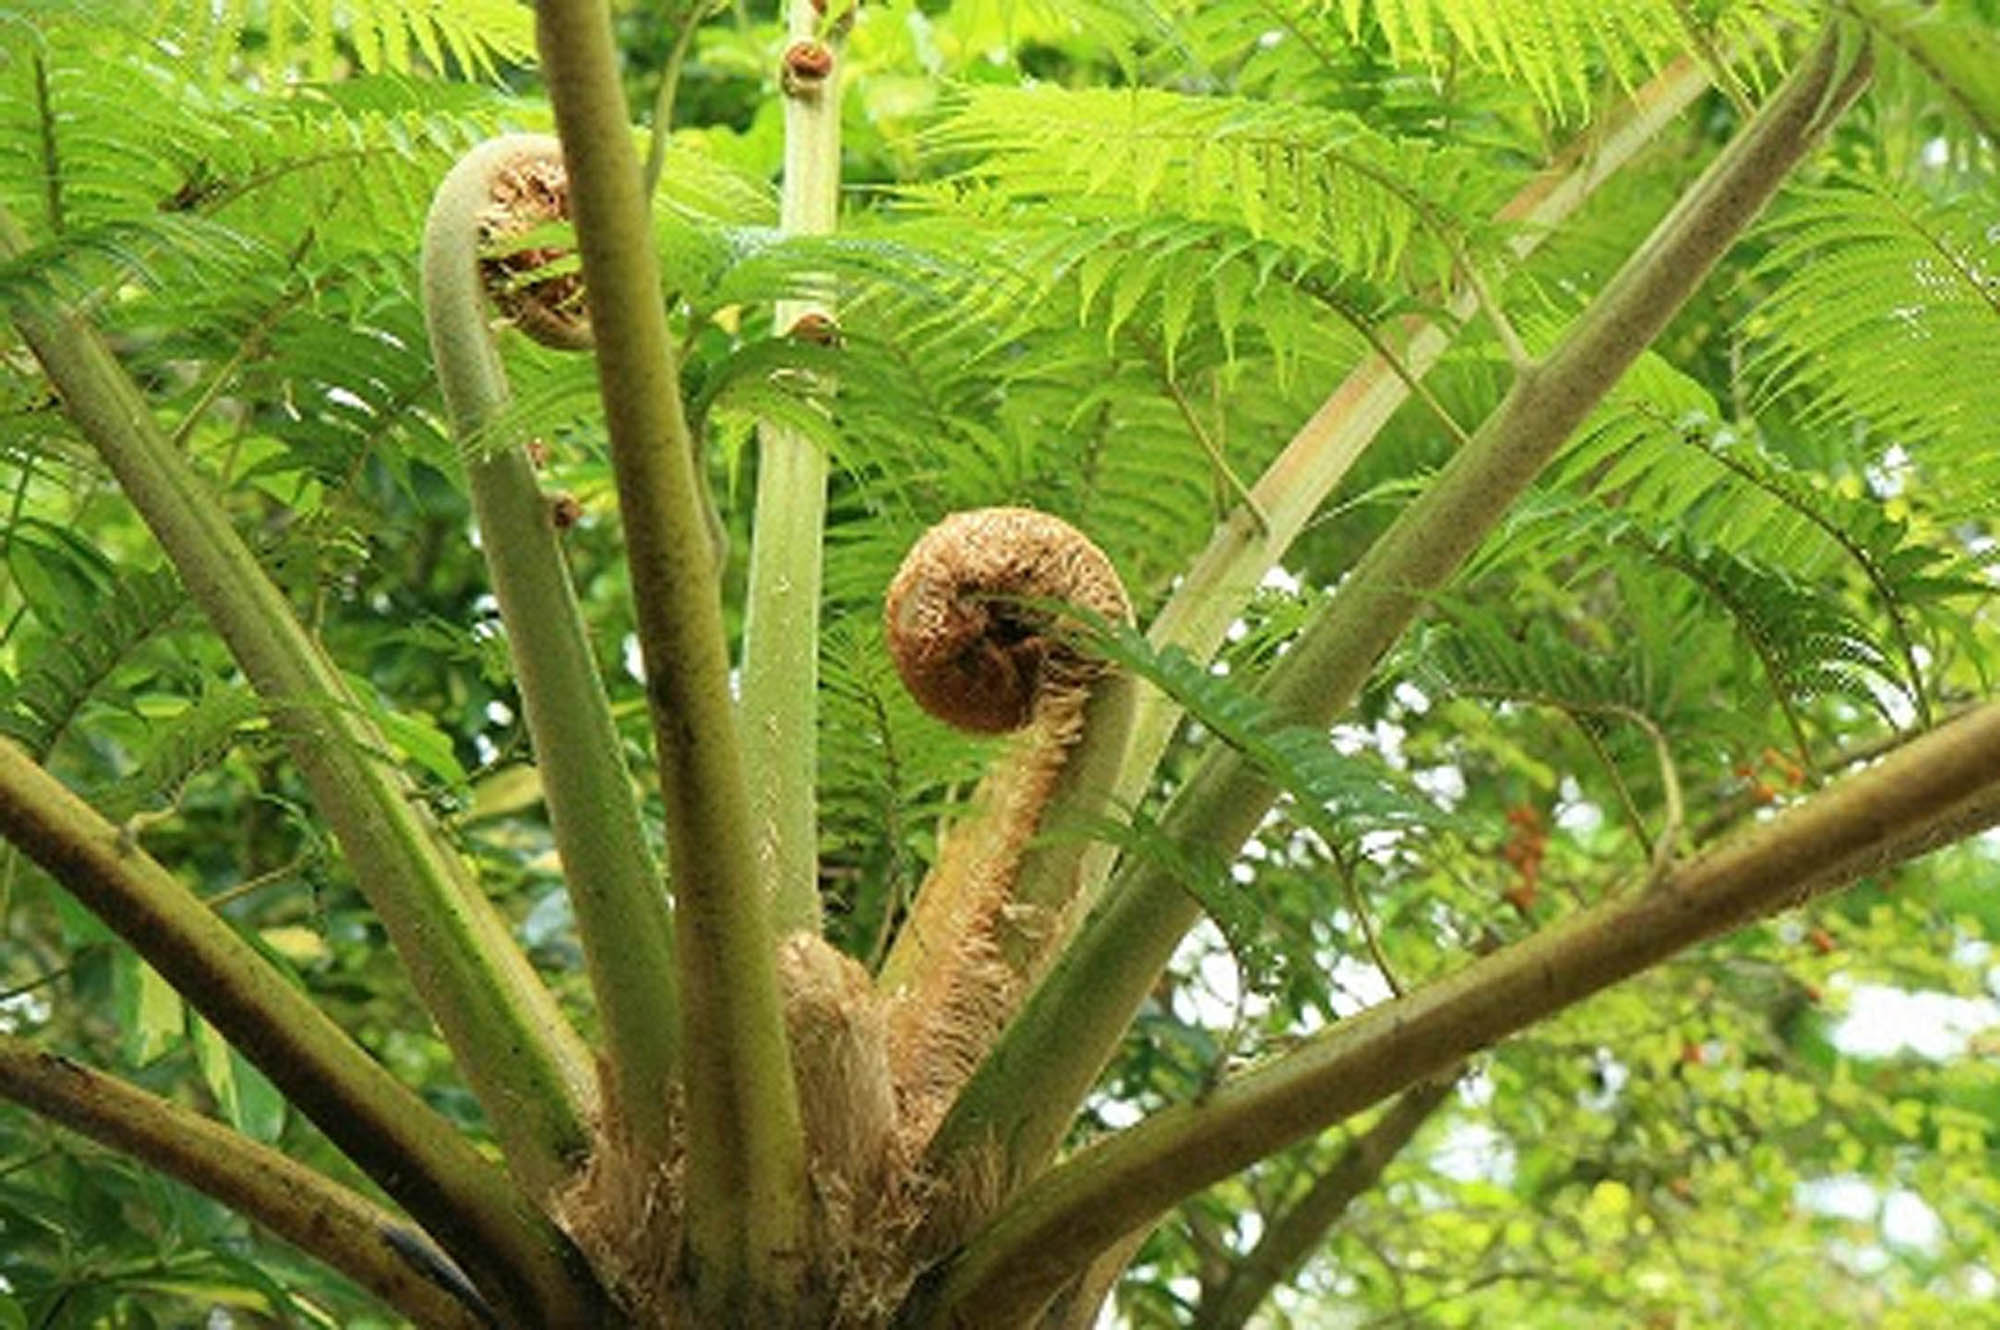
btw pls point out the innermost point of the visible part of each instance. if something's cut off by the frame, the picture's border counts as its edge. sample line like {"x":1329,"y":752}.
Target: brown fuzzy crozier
{"x":527,"y":195}
{"x":968,"y":623}
{"x":974,"y":622}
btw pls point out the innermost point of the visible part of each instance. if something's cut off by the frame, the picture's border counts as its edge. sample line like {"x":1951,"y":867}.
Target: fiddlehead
{"x":974,"y":621}
{"x":537,"y":286}
{"x":968,"y":618}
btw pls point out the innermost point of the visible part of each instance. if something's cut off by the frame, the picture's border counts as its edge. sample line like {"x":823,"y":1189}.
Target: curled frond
{"x":967,"y":619}
{"x":538,"y":285}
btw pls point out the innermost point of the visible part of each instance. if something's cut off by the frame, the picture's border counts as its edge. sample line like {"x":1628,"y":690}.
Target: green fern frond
{"x":81,"y":264}
{"x":183,"y":746}
{"x":354,"y":373}
{"x":1339,"y":795}
{"x":69,"y":669}
{"x":1561,"y":51}
{"x":1115,"y":27}
{"x":1655,"y":454}
{"x":321,"y":37}
{"x":1885,"y":312}
{"x":1806,"y":643}
{"x":102,"y":127}
{"x":1807,"y":638}
{"x":1318,"y":180}
{"x":1472,"y":650}
{"x":1265,"y":962}
{"x":888,"y":774}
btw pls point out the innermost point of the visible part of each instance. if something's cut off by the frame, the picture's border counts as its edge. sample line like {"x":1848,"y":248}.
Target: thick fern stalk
{"x":1945,"y":783}
{"x":1025,"y":1093}
{"x":418,"y":1158}
{"x":511,"y":1041}
{"x":372,"y":1246}
{"x":1222,"y":579}
{"x":616,"y":888}
{"x":745,"y":1196}
{"x":781,"y":611}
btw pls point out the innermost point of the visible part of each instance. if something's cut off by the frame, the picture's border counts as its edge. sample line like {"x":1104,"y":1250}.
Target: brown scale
{"x":528,"y":195}
{"x":969,"y":637}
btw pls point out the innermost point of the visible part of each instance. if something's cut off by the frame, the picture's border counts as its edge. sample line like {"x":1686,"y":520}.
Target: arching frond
{"x":70,"y":668}
{"x":1561,"y":51}
{"x":1806,"y":642}
{"x":1318,"y":180}
{"x":321,"y":38}
{"x":1884,"y":313}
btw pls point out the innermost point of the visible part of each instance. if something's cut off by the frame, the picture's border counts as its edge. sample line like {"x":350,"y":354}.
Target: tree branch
{"x":513,"y":1254}
{"x":1024,"y":1094}
{"x":511,"y":1041}
{"x":1053,"y":1227}
{"x":622,"y":910}
{"x":372,"y":1246}
{"x":746,"y":1196}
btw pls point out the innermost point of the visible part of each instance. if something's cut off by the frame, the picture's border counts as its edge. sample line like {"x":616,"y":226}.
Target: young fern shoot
{"x":511,"y":186}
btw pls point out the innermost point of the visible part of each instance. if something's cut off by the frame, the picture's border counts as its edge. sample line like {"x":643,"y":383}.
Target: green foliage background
{"x":1103,"y":258}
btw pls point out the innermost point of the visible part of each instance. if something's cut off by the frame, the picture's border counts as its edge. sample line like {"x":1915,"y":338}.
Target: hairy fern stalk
{"x":959,"y":751}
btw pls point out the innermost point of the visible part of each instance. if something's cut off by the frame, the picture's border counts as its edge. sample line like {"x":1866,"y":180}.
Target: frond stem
{"x":512,"y":1042}
{"x":486,"y":1222}
{"x":1475,"y":281}
{"x":1411,"y":381}
{"x":746,"y":1197}
{"x":372,"y":1246}
{"x":616,"y":887}
{"x":45,"y":119}
{"x":663,"y":100}
{"x":1172,"y":388}
{"x":780,"y":703}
